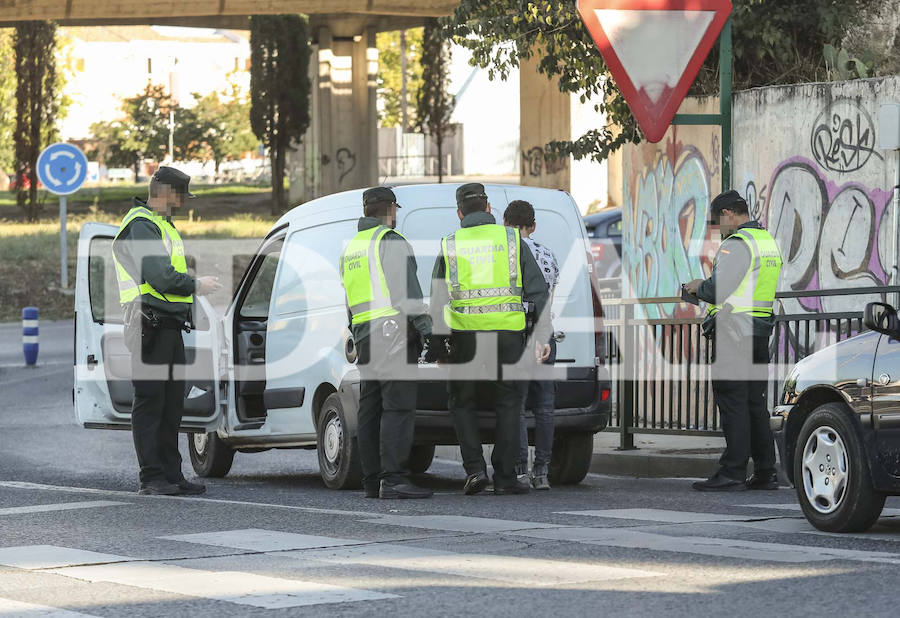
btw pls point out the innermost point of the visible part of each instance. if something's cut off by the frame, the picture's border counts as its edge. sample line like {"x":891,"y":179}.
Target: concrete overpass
{"x":340,"y":150}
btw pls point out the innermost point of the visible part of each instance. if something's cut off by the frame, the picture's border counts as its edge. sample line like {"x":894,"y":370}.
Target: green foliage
{"x":434,"y":104}
{"x":842,"y":67}
{"x":217,"y":127}
{"x":7,"y":101}
{"x":37,"y":105}
{"x":390,"y":75}
{"x":280,"y":52}
{"x":775,"y":42}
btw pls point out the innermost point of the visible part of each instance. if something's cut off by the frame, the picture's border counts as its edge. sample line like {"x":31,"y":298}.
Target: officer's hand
{"x":542,"y":351}
{"x":207,"y":285}
{"x":691,"y":287}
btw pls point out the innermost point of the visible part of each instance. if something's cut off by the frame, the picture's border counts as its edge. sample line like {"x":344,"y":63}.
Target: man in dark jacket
{"x":157,"y":294}
{"x":390,"y":326}
{"x":479,"y":298}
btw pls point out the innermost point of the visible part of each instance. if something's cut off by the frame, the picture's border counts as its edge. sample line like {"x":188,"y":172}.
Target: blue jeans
{"x":540,"y":396}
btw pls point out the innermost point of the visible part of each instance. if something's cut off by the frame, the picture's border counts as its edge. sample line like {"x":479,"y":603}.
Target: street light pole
{"x":171,"y":136}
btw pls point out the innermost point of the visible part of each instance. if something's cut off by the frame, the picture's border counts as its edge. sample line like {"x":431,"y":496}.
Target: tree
{"x":279,"y":89}
{"x":109,"y":137}
{"x":7,"y":102}
{"x":390,"y":75}
{"x":37,"y":105}
{"x":223,"y":125}
{"x":147,"y":125}
{"x":434,"y":105}
{"x":775,"y":42}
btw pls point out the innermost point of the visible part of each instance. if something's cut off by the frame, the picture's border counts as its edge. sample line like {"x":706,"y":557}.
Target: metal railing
{"x":660,"y":367}
{"x":413,"y":165}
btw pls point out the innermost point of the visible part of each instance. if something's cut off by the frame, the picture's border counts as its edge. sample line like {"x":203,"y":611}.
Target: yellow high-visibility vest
{"x":363,"y":277}
{"x":756,"y":293}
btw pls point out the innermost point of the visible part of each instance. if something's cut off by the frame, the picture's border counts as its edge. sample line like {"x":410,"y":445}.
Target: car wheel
{"x":337,"y":450}
{"x":831,"y":473}
{"x":420,"y":458}
{"x":210,"y":457}
{"x":571,"y":459}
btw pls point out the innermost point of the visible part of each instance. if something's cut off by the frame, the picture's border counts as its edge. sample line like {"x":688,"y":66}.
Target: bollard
{"x":30,"y":335}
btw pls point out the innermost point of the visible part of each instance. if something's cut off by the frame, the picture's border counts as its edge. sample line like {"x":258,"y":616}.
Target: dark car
{"x":605,"y":232}
{"x":838,"y":426}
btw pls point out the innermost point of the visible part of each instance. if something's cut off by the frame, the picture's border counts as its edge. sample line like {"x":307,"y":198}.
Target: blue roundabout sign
{"x":62,"y":168}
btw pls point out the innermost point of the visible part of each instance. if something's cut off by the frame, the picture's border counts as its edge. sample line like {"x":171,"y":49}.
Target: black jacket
{"x":141,"y":252}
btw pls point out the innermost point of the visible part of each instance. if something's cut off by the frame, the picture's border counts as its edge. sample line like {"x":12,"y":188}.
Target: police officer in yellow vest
{"x":480,"y":280}
{"x":741,"y":294}
{"x":391,"y":327}
{"x":157,"y":295}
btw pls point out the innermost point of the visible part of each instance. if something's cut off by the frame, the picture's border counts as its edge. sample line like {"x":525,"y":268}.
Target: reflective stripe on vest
{"x":756,"y":293}
{"x":484,"y":279}
{"x":363,"y":277}
{"x":129,"y":289}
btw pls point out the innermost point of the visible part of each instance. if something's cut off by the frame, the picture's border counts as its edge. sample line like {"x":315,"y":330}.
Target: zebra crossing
{"x":243,"y":577}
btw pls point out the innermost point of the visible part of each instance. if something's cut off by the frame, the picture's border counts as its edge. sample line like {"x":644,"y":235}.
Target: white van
{"x":276,"y":371}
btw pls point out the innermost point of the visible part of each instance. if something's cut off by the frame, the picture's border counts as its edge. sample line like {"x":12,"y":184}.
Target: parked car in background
{"x":838,"y":426}
{"x":604,"y":229}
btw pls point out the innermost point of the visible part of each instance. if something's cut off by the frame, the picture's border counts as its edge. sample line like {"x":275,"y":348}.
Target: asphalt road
{"x":271,"y":540}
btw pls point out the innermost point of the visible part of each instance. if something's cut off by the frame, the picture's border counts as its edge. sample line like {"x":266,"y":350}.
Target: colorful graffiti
{"x":831,"y":236}
{"x":665,"y":228}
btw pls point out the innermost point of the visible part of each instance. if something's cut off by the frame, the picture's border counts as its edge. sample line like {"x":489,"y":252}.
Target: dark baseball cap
{"x":470,"y":191}
{"x":725,"y":201}
{"x":379,"y":195}
{"x":176,"y":179}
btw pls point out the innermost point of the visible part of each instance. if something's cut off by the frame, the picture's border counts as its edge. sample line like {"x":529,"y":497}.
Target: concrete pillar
{"x":325,"y":95}
{"x":545,"y":116}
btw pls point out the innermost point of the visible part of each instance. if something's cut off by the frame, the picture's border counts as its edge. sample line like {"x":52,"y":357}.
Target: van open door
{"x":103,"y":390}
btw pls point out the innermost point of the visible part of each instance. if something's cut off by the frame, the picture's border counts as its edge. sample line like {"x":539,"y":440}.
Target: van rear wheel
{"x":571,"y":458}
{"x":420,"y":458}
{"x":337,"y":450}
{"x":210,"y":456}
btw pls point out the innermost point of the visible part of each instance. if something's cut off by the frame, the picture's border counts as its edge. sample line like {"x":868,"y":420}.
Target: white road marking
{"x":707,"y":546}
{"x":33,"y":557}
{"x":230,"y":586}
{"x":17,"y":609}
{"x":796,"y":507}
{"x":255,"y":539}
{"x":514,"y":569}
{"x":457,"y":523}
{"x":64,"y":506}
{"x":518,"y":570}
{"x":659,"y":515}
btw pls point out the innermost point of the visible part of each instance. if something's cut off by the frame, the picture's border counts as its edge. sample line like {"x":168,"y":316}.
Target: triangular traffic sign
{"x":654,"y":50}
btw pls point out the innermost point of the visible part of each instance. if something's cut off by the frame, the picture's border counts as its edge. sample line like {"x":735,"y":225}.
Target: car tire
{"x":571,"y":459}
{"x":210,"y":456}
{"x":337,"y":450}
{"x":420,"y":458}
{"x":831,"y":473}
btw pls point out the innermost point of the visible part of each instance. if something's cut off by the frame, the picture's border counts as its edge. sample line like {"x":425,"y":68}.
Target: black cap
{"x":726,"y":200}
{"x":176,"y":179}
{"x":469,"y":191}
{"x":378,"y":195}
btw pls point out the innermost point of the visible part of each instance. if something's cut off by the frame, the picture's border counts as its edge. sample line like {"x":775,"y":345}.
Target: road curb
{"x":652,"y":464}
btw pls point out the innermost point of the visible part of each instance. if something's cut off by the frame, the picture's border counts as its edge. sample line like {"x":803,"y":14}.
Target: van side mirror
{"x":882,"y":318}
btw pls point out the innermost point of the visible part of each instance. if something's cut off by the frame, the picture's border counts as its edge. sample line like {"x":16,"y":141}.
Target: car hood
{"x":839,"y":365}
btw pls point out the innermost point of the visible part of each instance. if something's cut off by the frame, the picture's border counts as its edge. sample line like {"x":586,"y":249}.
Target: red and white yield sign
{"x":654,"y":49}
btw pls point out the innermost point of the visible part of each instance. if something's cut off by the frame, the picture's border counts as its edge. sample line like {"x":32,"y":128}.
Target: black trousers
{"x":739,"y":389}
{"x":387,"y":407}
{"x":507,"y":396}
{"x":158,"y":400}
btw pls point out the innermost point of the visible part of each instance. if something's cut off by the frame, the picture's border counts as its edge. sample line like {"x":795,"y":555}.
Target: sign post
{"x":654,"y":50}
{"x":62,"y":169}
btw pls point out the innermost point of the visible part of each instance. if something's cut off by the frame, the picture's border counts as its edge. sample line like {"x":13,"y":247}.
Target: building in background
{"x":112,"y":63}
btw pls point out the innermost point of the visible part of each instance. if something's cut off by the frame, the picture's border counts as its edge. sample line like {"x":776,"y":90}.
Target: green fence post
{"x":627,"y":379}
{"x":725,"y":69}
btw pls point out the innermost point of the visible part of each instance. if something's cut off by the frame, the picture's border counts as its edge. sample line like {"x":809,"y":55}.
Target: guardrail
{"x":660,"y":367}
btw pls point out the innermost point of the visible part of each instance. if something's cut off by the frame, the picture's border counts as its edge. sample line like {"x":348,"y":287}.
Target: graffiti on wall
{"x":665,"y":230}
{"x":535,"y":163}
{"x":830,"y":236}
{"x":346,"y":161}
{"x":843,"y":137}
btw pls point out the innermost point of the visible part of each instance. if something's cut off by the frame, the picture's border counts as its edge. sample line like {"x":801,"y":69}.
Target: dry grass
{"x":29,"y":258}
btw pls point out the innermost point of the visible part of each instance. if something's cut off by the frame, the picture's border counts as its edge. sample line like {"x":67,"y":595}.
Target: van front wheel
{"x":210,"y":457}
{"x":337,"y":450}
